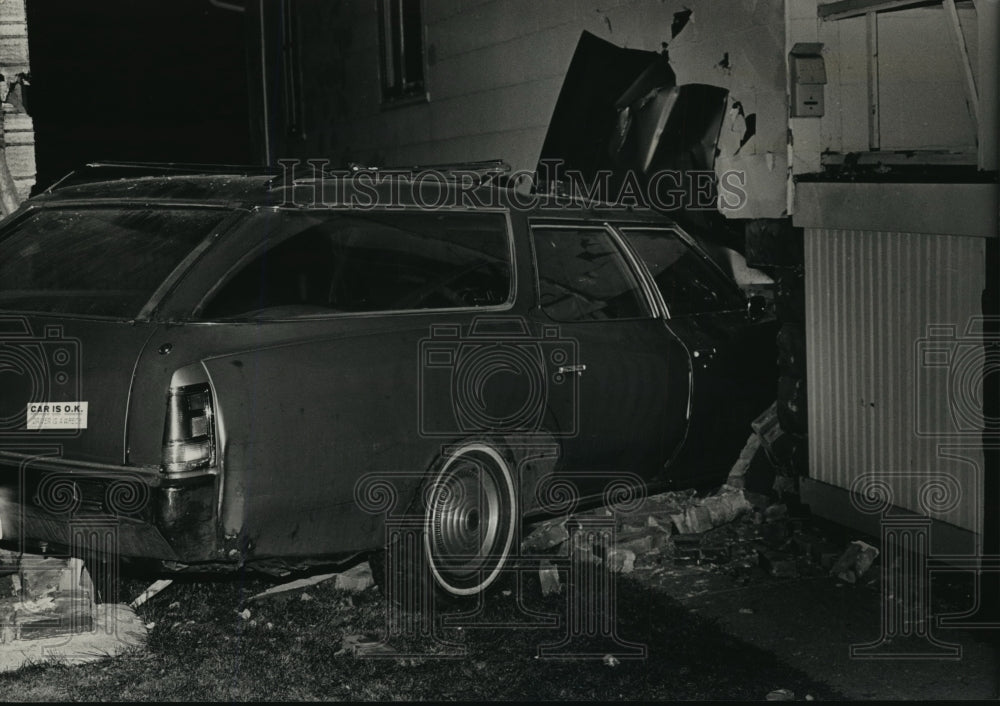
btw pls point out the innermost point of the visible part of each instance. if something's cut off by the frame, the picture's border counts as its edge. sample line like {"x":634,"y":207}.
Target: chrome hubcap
{"x":464,"y":519}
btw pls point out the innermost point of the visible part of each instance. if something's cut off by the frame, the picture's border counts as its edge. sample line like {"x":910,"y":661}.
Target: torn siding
{"x":493,"y":70}
{"x":17,"y":147}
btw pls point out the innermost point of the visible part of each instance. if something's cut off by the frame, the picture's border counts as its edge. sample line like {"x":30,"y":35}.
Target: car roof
{"x":234,"y":186}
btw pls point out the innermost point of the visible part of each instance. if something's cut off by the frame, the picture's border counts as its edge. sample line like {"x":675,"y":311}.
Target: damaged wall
{"x":494,"y":70}
{"x":17,"y":137}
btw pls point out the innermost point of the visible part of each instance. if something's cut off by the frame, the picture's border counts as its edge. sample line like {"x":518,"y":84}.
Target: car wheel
{"x":469,"y":511}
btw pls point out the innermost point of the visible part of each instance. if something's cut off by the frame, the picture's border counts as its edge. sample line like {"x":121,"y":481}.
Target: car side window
{"x":374,"y":262}
{"x":688,"y":283}
{"x":583,"y":276}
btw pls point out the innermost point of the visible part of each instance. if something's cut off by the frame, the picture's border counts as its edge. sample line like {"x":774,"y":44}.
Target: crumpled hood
{"x":621,"y":110}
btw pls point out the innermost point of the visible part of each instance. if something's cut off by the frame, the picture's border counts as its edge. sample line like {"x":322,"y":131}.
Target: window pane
{"x":413,"y":44}
{"x":376,"y":262}
{"x":401,"y":28}
{"x":95,"y":261}
{"x":689,"y":284}
{"x":583,"y":276}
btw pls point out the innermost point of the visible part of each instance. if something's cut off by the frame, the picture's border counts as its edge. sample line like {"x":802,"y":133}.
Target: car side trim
{"x":150,"y":475}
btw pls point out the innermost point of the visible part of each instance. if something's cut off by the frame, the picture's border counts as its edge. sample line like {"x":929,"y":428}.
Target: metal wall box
{"x":808,"y":75}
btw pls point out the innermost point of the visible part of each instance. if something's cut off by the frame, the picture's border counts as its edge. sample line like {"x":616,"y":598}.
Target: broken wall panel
{"x":17,"y":136}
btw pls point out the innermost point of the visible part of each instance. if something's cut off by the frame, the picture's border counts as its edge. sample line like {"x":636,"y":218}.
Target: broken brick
{"x":642,"y":542}
{"x":660,"y":523}
{"x":548,"y":576}
{"x":546,"y":535}
{"x":857,"y":558}
{"x":621,"y":561}
{"x":713,"y":511}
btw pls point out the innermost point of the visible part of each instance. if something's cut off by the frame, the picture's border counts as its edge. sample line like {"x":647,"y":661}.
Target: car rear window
{"x":95,"y":261}
{"x":340,"y":263}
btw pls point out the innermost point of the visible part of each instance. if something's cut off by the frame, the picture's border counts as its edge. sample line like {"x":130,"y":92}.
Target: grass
{"x":289,"y":648}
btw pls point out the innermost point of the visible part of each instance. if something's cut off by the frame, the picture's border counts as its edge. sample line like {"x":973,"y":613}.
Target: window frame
{"x":247,"y":257}
{"x":398,"y":93}
{"x":692,"y":245}
{"x":653,"y":304}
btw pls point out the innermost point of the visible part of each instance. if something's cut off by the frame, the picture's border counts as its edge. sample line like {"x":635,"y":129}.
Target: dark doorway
{"x":158,"y":81}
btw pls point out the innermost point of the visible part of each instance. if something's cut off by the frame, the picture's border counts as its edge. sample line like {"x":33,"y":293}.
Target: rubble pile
{"x":741,"y":533}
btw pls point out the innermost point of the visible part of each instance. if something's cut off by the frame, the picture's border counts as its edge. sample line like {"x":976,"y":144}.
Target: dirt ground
{"x":746,"y":608}
{"x":780,"y":580}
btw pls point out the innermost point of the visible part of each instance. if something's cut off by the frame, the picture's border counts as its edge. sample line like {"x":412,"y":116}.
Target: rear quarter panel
{"x":307,"y":409}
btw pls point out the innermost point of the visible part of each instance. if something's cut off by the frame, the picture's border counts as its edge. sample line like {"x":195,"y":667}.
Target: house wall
{"x":494,"y":69}
{"x":922,"y":95}
{"x":889,"y":265}
{"x":17,"y":149}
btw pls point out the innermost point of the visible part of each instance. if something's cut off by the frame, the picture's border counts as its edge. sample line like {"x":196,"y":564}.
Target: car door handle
{"x":566,"y":369}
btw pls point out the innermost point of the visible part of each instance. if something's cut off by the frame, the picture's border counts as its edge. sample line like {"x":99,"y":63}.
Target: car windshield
{"x":95,"y":261}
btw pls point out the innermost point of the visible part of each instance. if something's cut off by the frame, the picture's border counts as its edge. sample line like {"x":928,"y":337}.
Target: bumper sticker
{"x":56,"y":415}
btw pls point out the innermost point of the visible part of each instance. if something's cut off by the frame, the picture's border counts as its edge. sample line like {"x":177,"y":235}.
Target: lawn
{"x":203,"y":645}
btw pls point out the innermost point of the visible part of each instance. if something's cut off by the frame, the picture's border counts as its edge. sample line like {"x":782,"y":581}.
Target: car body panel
{"x":72,"y":360}
{"x":306,"y":407}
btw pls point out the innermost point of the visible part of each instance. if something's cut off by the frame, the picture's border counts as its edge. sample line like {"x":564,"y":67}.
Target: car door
{"x":631,"y":371}
{"x":732,"y":353}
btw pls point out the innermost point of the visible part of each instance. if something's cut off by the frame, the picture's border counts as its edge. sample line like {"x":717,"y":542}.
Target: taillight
{"x":189,"y":436}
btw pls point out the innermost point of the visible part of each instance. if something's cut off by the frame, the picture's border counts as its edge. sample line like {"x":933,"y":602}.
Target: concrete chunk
{"x":548,"y":575}
{"x":355,"y":579}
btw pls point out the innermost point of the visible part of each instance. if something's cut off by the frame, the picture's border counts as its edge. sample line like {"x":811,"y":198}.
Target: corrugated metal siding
{"x":873,"y":408}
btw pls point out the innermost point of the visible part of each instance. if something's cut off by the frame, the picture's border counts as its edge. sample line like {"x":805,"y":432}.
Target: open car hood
{"x":621,"y":110}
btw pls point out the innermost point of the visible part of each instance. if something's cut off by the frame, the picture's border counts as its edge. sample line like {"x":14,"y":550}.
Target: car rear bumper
{"x":84,"y":508}
{"x":31,"y":529}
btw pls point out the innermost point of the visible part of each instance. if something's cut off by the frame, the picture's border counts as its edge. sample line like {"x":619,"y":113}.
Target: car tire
{"x":468,"y":517}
